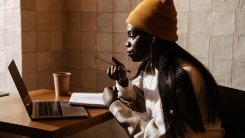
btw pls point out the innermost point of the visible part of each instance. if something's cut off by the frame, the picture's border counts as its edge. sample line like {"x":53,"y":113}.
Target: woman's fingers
{"x":115,"y":89}
{"x":117,"y":62}
{"x":112,"y":73}
{"x":119,"y":65}
{"x":115,"y":92}
{"x":116,"y":72}
{"x":109,"y":73}
{"x":113,"y":69}
{"x":108,"y":88}
{"x":109,"y":95}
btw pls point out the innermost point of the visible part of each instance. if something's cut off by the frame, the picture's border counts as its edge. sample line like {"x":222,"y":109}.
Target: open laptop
{"x":44,"y":109}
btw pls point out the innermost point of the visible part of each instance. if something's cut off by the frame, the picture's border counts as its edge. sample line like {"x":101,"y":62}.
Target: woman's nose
{"x":127,"y":44}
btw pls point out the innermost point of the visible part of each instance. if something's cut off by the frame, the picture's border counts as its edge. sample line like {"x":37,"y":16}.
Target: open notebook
{"x":87,"y":99}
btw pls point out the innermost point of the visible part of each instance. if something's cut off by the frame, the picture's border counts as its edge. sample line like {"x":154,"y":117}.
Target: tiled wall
{"x":211,"y":30}
{"x":66,"y":35}
{"x":10,"y":41}
{"x":62,"y":35}
{"x":42,"y":42}
{"x":214,"y":31}
{"x":94,"y":28}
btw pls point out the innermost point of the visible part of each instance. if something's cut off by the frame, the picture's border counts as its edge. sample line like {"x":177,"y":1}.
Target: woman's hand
{"x":117,"y":73}
{"x":110,"y":95}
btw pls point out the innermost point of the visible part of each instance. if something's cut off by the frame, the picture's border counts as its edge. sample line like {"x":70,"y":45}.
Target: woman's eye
{"x":131,"y":37}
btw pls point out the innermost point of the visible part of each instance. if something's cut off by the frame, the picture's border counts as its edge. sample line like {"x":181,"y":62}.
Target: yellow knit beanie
{"x":156,"y":17}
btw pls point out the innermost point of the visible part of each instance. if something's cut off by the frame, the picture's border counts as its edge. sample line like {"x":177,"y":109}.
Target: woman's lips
{"x":130,"y":53}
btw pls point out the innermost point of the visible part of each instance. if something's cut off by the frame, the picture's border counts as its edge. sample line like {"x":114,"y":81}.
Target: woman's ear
{"x":153,"y":38}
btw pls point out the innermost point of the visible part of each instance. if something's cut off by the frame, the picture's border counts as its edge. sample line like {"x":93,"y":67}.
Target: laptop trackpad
{"x":71,"y":110}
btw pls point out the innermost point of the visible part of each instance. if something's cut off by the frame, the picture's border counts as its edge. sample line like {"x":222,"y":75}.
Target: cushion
{"x":234,"y":114}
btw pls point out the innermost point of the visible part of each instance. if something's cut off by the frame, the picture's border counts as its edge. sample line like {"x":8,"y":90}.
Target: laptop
{"x":44,"y":109}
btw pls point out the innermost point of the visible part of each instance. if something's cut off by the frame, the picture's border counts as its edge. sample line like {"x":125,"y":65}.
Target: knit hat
{"x":156,"y":17}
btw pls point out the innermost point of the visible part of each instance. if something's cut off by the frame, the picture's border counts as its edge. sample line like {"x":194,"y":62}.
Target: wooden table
{"x":14,"y":118}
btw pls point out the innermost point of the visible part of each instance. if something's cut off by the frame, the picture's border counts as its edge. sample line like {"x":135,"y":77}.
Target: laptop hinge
{"x":29,"y":109}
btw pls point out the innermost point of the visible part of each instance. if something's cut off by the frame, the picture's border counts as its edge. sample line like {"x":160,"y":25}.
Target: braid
{"x":180,"y":107}
{"x":179,"y":103}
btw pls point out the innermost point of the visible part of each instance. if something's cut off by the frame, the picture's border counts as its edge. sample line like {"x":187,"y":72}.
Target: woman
{"x":177,"y":92}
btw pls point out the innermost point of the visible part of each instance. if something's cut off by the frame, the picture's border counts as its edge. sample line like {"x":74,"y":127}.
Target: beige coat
{"x":151,"y":124}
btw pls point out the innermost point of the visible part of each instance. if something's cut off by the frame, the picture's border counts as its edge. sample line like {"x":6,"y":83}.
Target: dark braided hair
{"x":179,"y":103}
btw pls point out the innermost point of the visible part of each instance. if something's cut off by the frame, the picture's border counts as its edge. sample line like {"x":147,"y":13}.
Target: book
{"x":87,"y":99}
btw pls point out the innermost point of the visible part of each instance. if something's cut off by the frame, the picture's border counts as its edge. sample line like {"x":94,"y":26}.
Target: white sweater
{"x":152,"y":126}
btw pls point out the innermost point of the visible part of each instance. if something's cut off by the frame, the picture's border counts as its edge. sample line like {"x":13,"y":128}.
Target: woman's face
{"x":138,"y":44}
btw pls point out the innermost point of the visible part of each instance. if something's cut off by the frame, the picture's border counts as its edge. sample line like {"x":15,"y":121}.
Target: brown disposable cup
{"x":61,"y":83}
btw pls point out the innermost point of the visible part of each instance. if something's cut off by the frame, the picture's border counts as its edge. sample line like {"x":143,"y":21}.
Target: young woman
{"x":177,"y":92}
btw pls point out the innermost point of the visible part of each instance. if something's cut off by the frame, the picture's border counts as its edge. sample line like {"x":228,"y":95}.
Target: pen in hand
{"x":112,"y":64}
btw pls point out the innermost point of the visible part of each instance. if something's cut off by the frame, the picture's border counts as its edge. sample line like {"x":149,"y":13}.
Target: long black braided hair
{"x":179,"y":103}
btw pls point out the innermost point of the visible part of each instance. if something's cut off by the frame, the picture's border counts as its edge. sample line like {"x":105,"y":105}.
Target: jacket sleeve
{"x":133,"y":92}
{"x":130,"y":92}
{"x":130,"y":120}
{"x":134,"y":125}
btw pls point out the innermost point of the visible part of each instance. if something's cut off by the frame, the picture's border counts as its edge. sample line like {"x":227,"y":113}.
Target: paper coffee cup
{"x":61,"y":83}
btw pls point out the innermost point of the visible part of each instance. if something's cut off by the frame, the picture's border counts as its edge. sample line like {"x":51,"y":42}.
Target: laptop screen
{"x":19,"y":83}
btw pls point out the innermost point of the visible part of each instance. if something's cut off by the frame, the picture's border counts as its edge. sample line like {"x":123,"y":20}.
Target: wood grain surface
{"x":14,"y":118}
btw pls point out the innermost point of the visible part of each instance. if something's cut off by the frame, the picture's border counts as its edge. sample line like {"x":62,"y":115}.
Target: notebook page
{"x":87,"y":99}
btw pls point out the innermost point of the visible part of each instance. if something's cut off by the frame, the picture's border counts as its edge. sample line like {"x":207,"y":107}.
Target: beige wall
{"x":65,"y":35}
{"x":10,"y":41}
{"x":42,"y":42}
{"x":94,"y":28}
{"x":62,"y":35}
{"x":213,"y":31}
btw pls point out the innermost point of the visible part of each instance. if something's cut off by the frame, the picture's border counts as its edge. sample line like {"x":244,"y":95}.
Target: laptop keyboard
{"x":50,"y":108}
